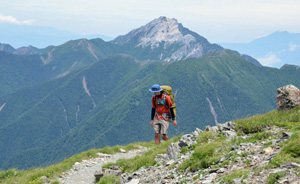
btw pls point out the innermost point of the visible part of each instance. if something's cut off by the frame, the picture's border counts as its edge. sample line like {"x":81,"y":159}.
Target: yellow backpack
{"x":168,"y":90}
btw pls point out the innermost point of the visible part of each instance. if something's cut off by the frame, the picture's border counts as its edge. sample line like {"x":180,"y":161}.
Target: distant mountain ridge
{"x":161,"y":39}
{"x":276,"y":49}
{"x":39,"y":36}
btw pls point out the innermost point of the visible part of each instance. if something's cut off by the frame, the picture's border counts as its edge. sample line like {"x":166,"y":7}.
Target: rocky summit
{"x":168,"y":40}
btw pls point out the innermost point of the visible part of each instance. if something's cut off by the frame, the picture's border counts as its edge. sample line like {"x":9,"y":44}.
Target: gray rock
{"x":230,"y":134}
{"x":197,"y":132}
{"x":133,"y":181}
{"x":44,"y":179}
{"x":99,"y":174}
{"x":288,"y":97}
{"x":222,"y":170}
{"x":212,"y":176}
{"x":123,"y":151}
{"x":103,"y":155}
{"x":213,"y":129}
{"x":187,"y":140}
{"x":173,"y":151}
{"x":171,"y":162}
{"x":226,"y":126}
{"x":234,"y":147}
{"x":238,"y":180}
{"x":113,"y":170}
{"x":289,"y":165}
{"x":286,"y":135}
{"x":231,"y":124}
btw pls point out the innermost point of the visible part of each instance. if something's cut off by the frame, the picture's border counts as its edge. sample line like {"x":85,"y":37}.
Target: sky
{"x":220,"y":21}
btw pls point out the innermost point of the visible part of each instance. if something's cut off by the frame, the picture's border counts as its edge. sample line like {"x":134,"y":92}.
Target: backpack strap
{"x":165,"y":95}
{"x":164,"y":116}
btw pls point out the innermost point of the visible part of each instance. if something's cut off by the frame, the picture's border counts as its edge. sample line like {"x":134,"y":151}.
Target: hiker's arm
{"x":152,"y":113}
{"x":172,"y":113}
{"x":152,"y":116}
{"x":174,"y":122}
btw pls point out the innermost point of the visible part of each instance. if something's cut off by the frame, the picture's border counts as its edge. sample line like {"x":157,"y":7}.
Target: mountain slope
{"x":20,"y":71}
{"x":108,"y":103}
{"x":29,"y":66}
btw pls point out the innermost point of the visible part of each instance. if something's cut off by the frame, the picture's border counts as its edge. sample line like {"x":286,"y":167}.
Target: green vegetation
{"x":290,"y":151}
{"x":109,"y":179}
{"x":235,"y":174}
{"x":288,"y":119}
{"x":205,"y":153}
{"x":120,"y":101}
{"x":274,"y":177}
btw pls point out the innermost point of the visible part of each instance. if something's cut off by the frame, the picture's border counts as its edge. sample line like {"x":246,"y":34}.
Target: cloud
{"x":269,"y":59}
{"x":13,"y":20}
{"x":293,"y":46}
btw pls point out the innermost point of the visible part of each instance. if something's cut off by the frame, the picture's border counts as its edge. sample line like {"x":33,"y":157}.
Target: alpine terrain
{"x":62,"y":100}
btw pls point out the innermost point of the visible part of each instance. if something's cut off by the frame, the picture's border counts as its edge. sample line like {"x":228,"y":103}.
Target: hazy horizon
{"x":230,"y":21}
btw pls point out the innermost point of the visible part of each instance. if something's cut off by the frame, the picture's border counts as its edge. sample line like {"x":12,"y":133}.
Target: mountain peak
{"x":168,"y":39}
{"x":161,"y":30}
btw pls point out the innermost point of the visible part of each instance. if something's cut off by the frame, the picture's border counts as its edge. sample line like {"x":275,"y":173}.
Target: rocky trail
{"x":248,"y":157}
{"x":83,"y":172}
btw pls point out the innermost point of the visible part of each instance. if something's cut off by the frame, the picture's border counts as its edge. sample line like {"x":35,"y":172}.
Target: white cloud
{"x":269,"y":60}
{"x":13,"y":20}
{"x":293,"y":46}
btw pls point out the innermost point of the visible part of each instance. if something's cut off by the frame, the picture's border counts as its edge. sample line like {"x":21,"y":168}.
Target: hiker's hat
{"x":155,"y":88}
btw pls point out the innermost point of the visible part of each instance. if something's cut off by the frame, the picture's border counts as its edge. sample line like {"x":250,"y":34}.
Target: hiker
{"x":162,"y":113}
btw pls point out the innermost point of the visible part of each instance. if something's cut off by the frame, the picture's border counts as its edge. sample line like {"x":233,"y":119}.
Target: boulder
{"x":230,"y":134}
{"x":288,"y":97}
{"x":173,"y":151}
{"x":187,"y":140}
{"x":197,"y":132}
{"x":213,"y":129}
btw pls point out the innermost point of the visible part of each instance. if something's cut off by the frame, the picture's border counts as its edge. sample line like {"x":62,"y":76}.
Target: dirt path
{"x":83,"y":172}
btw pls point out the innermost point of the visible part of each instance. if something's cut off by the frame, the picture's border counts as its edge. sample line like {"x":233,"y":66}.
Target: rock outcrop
{"x":242,"y":157}
{"x":288,"y":97}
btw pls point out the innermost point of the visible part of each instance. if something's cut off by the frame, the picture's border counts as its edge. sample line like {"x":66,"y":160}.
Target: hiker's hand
{"x":151,"y":123}
{"x":174,"y":123}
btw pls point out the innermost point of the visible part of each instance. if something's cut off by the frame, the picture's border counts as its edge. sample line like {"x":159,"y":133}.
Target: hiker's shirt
{"x":162,"y":107}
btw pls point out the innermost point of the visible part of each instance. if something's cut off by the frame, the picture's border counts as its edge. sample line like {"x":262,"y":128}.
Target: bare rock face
{"x":166,"y":39}
{"x":288,"y":97}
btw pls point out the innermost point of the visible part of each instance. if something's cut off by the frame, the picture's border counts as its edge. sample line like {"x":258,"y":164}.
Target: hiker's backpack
{"x":168,"y":90}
